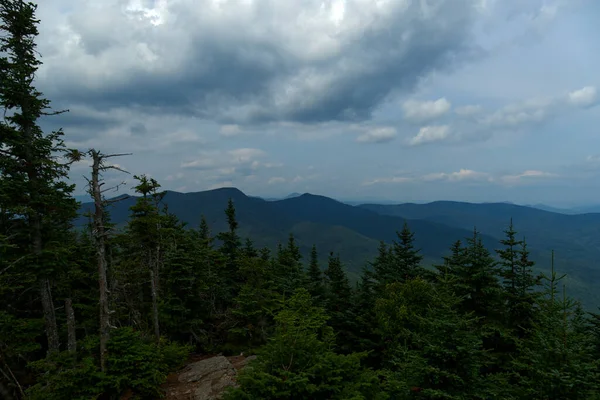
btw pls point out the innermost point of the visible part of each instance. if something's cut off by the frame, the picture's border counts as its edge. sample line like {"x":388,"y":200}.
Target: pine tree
{"x":231,"y":247}
{"x":509,"y":256}
{"x":434,"y":350}
{"x":557,"y":358}
{"x":315,"y":276}
{"x":339,"y":304}
{"x":34,"y":196}
{"x":406,"y":259}
{"x":204,"y":232}
{"x":299,"y":361}
{"x":145,"y":228}
{"x":290,"y":273}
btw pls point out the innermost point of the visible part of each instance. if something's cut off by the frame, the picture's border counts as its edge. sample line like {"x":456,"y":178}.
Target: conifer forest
{"x":108,"y":311}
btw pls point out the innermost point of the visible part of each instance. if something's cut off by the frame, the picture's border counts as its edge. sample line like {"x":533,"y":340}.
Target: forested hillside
{"x":355,"y":231}
{"x":105,"y":306}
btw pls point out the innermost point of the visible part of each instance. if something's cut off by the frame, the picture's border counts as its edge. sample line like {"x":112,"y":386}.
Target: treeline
{"x":97,"y":312}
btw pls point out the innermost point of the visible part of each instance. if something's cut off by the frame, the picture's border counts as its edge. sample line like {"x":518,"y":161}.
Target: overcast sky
{"x":476,"y":100}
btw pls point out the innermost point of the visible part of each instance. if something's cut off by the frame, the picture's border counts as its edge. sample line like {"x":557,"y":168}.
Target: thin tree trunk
{"x":49,"y":315}
{"x":153,"y":282}
{"x":71,"y":335}
{"x":99,"y":235}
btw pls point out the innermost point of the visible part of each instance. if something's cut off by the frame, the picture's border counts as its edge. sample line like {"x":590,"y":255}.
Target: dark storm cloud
{"x":229,"y":75}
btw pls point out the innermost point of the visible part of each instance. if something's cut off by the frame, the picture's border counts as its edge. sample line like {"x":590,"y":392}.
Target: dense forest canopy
{"x":106,"y":310}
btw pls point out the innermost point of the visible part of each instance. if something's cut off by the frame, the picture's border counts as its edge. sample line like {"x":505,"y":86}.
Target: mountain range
{"x":354,"y":231}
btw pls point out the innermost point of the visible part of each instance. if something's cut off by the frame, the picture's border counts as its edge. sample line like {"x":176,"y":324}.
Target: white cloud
{"x":527,"y":176}
{"x":395,"y":179}
{"x":276,"y":180}
{"x":377,"y":135}
{"x":461,"y":175}
{"x":430,"y":134}
{"x":583,"y":97}
{"x":458,"y":176}
{"x":230,"y":130}
{"x":245,"y":154}
{"x":465,"y":111}
{"x":230,"y":164}
{"x":530,"y":111}
{"x":421,"y":111}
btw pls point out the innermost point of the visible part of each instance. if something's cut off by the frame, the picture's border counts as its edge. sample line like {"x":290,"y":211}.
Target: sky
{"x":390,"y":100}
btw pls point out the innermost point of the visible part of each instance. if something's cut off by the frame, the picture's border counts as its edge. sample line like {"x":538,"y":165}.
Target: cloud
{"x":228,"y":165}
{"x":466,"y":175}
{"x":395,"y":179}
{"x":420,"y":111}
{"x":461,"y":175}
{"x":336,"y":61}
{"x":469,"y":110}
{"x":377,"y":135}
{"x":527,"y":176}
{"x":458,"y":176}
{"x":230,"y":130}
{"x":276,"y":180}
{"x":430,"y":134}
{"x":583,"y":97}
{"x":530,"y":111}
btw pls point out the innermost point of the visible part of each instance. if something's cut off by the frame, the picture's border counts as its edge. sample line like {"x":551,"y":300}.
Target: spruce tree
{"x":315,"y":276}
{"x":406,"y":259}
{"x":146,"y":229}
{"x":34,"y":197}
{"x":557,"y":359}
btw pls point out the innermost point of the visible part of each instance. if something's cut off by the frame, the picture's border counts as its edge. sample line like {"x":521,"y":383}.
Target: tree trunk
{"x":71,"y":335}
{"x":154,"y":283}
{"x":49,"y":316}
{"x":99,"y":236}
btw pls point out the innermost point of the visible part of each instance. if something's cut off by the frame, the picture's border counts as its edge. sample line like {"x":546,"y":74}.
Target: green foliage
{"x":557,"y":359}
{"x":299,"y":361}
{"x":434,"y":349}
{"x":133,"y":363}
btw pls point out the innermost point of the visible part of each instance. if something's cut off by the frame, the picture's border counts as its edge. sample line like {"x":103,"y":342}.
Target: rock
{"x":203,"y":380}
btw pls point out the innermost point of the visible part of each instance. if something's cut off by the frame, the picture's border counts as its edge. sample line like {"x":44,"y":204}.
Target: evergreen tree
{"x":299,"y":363}
{"x":557,"y":358}
{"x":290,"y":274}
{"x":231,"y":248}
{"x":406,"y":259}
{"x":315,"y":276}
{"x":434,"y":349}
{"x":146,"y":228}
{"x":35,"y":199}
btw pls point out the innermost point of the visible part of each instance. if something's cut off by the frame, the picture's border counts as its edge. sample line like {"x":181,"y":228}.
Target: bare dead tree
{"x":100,"y":233}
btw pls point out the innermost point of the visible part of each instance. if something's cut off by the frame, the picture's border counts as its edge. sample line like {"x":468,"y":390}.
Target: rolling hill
{"x":355,"y":231}
{"x":351,"y":231}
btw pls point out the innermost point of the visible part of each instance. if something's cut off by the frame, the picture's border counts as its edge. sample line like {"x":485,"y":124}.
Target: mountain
{"x":355,"y":231}
{"x":574,"y":238}
{"x":333,"y":226}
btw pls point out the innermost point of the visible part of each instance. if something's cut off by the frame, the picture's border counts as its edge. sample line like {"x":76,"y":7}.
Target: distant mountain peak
{"x":231,"y":191}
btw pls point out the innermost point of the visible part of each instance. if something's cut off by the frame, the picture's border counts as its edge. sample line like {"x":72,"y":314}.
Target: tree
{"x":406,"y":258}
{"x":299,"y":362}
{"x":433,"y":349}
{"x":145,"y":227}
{"x":230,"y":248}
{"x":315,"y":276}
{"x":557,"y":359}
{"x":33,"y":190}
{"x":100,"y":231}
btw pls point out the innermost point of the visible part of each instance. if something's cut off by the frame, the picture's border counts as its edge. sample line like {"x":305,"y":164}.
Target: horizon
{"x":333,"y":103}
{"x":85,"y":198}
